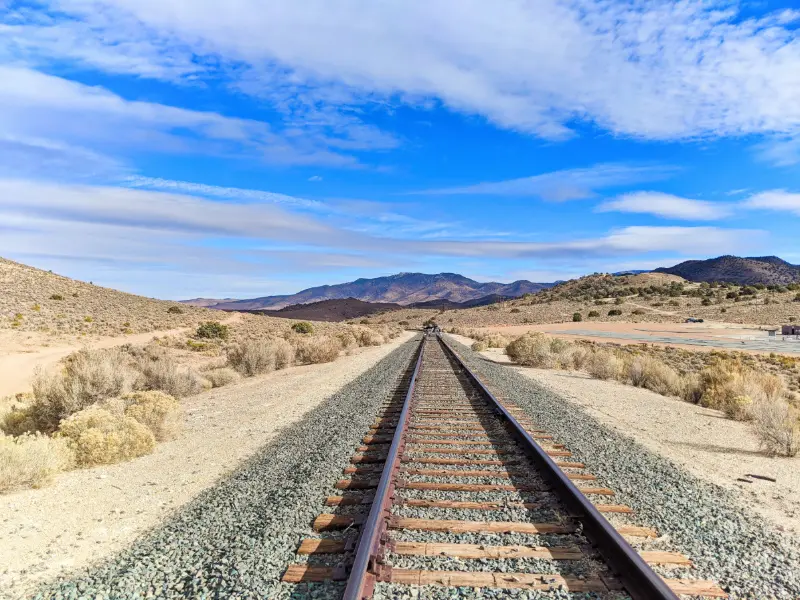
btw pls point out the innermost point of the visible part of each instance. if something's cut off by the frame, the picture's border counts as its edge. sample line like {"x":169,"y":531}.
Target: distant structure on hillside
{"x":790,"y":330}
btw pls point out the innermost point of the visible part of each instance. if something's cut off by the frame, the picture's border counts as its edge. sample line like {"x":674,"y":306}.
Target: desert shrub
{"x":99,"y":437}
{"x":89,"y":376}
{"x":777,"y":426}
{"x":580,"y":356}
{"x":691,"y":388}
{"x":56,"y":297}
{"x":593,"y":313}
{"x":255,"y":357}
{"x":159,"y":371}
{"x":576,"y":317}
{"x":31,"y":460}
{"x":614,"y":312}
{"x":18,"y":421}
{"x":159,"y":412}
{"x":368,"y":337}
{"x":175,"y":310}
{"x":318,"y":349}
{"x":603,"y":365}
{"x":303,"y":327}
{"x":637,"y":311}
{"x":654,"y":375}
{"x":221,"y":376}
{"x":619,"y":301}
{"x":88,"y":319}
{"x":735,"y":389}
{"x":515,"y":310}
{"x":532,"y":350}
{"x":479,"y":346}
{"x":403,"y":323}
{"x":496,"y":340}
{"x":213,"y":330}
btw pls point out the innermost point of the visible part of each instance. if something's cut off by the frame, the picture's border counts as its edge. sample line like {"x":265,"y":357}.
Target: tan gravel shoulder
{"x":703,"y":441}
{"x":88,"y":515}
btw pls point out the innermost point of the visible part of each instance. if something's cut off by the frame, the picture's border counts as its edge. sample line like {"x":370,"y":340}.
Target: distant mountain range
{"x":745,"y":271}
{"x":403,"y":289}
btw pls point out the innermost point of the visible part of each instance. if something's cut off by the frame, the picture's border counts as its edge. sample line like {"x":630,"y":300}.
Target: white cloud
{"x":667,"y":206}
{"x":567,"y":184}
{"x":779,"y":200}
{"x":186,"y":187}
{"x":625,"y":241}
{"x":315,"y":178}
{"x":34,"y":105}
{"x":780,"y":152}
{"x":656,"y":69}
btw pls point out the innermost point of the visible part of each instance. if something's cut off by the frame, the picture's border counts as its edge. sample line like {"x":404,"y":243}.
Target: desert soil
{"x":701,"y":440}
{"x":88,"y":515}
{"x":21,"y":352}
{"x":691,"y":336}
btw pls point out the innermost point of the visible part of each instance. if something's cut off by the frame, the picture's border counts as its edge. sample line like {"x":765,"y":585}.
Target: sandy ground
{"x":705,"y":442}
{"x":89,"y":514}
{"x":692,"y":336}
{"x":22,"y":352}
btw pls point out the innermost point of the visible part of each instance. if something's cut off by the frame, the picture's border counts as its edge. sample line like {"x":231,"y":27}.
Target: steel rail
{"x":639,"y":580}
{"x":361,"y":579}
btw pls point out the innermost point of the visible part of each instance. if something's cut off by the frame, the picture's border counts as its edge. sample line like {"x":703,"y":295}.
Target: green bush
{"x":213,"y":330}
{"x":614,"y":312}
{"x":593,"y":313}
{"x":303,"y":327}
{"x":577,"y":317}
{"x":175,"y":310}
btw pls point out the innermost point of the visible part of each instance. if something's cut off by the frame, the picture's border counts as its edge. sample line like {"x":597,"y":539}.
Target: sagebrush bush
{"x":479,"y":346}
{"x":777,"y":426}
{"x":88,"y":377}
{"x":576,"y":317}
{"x":303,"y":327}
{"x":603,"y":365}
{"x":213,"y":330}
{"x":159,"y":371}
{"x":99,"y":437}
{"x":175,"y":310}
{"x":654,"y":375}
{"x":159,"y":412}
{"x":735,"y":388}
{"x":532,"y":350}
{"x":318,"y":349}
{"x":31,"y":460}
{"x":255,"y":357}
{"x":221,"y":376}
{"x":19,"y":421}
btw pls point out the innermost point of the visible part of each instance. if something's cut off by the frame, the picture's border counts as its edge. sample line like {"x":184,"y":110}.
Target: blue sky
{"x":175,"y":148}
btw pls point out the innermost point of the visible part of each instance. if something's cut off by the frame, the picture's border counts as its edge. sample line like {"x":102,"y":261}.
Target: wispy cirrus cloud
{"x":667,"y":206}
{"x":777,"y":200}
{"x":566,"y":184}
{"x":656,"y":69}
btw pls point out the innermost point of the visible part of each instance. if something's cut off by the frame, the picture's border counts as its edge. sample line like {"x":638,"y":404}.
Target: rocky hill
{"x":744,"y":271}
{"x":331,"y":310}
{"x":403,"y":288}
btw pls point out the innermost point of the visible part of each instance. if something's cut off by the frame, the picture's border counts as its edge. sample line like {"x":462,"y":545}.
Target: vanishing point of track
{"x":445,"y":446}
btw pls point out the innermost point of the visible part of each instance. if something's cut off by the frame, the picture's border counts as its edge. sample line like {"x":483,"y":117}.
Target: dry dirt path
{"x":88,"y":515}
{"x":21,"y":353}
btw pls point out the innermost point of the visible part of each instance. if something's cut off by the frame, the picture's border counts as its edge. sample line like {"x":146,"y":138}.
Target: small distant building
{"x":790,"y":330}
{"x":772,"y":332}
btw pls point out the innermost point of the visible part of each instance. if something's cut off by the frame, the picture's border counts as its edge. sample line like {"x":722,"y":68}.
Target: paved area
{"x":780,"y":344}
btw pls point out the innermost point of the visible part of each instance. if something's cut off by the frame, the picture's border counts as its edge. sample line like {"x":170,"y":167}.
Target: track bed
{"x":455,"y":488}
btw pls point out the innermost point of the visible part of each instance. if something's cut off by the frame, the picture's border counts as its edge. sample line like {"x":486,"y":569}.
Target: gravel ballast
{"x":727,"y":543}
{"x":236,"y":539}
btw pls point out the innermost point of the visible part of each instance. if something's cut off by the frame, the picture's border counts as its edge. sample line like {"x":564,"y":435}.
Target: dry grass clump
{"x":604,"y":365}
{"x":544,"y":352}
{"x":221,"y":376}
{"x":159,"y":412}
{"x":157,"y":370}
{"x":255,"y":357}
{"x":31,"y":460}
{"x":88,"y":377}
{"x":98,"y":436}
{"x":646,"y":372}
{"x":735,"y":389}
{"x":777,"y":425}
{"x":318,"y":349}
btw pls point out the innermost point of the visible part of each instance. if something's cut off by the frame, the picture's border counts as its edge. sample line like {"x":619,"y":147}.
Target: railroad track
{"x":453,"y":487}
